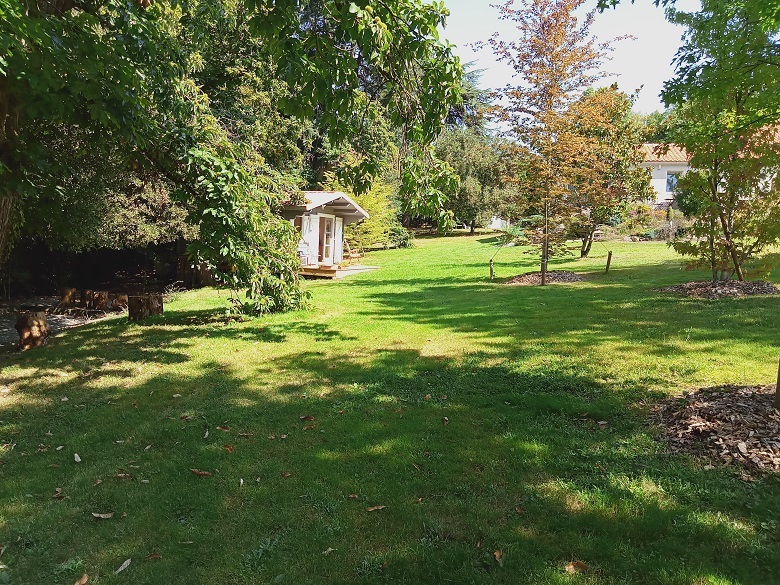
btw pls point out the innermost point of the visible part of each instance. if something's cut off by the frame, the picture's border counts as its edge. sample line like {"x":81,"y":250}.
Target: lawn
{"x":468,"y":409}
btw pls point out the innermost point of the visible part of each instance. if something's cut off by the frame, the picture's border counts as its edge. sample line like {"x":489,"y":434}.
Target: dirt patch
{"x":708,"y":289}
{"x":553,"y":276}
{"x":730,"y":425}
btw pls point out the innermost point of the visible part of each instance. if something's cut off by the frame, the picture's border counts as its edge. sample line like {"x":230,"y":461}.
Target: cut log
{"x":142,"y":306}
{"x":32,"y":329}
{"x":117,"y":302}
{"x":100,"y":300}
{"x":68,"y":299}
{"x":86,"y":299}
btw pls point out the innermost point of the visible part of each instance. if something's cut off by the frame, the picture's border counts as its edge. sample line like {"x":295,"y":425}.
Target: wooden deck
{"x":334,"y":271}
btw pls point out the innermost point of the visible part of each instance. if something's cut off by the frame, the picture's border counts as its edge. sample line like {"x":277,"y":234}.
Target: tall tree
{"x":728,"y":114}
{"x":118,"y":70}
{"x":555,"y":58}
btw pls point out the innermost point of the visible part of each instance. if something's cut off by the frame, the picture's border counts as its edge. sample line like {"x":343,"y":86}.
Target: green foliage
{"x":727,"y":114}
{"x":203,"y":111}
{"x":476,"y":159}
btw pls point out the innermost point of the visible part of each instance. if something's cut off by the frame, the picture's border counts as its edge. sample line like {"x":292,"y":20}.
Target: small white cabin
{"x":665,"y":164}
{"x":320,"y":220}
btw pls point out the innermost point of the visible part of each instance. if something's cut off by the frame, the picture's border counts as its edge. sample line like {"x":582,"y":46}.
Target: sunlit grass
{"x":468,"y":408}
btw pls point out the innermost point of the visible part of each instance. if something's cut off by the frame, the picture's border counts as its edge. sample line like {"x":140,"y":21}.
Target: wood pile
{"x":90,"y":302}
{"x":709,"y":289}
{"x":32,"y":328}
{"x":531,"y":278}
{"x":731,"y":425}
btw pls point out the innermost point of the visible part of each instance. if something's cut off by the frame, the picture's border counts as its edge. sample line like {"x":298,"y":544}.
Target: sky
{"x":643,"y":62}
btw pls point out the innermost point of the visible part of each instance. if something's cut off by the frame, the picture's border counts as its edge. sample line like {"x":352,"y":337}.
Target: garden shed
{"x":320,"y":220}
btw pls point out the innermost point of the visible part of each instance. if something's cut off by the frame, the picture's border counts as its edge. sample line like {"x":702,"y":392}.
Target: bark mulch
{"x":727,"y":288}
{"x":553,"y":276}
{"x":730,"y":425}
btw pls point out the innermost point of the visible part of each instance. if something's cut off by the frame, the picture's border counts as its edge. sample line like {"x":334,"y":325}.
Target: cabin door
{"x":326,"y":241}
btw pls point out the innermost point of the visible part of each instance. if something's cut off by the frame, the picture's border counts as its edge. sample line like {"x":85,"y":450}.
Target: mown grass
{"x":522,"y":375}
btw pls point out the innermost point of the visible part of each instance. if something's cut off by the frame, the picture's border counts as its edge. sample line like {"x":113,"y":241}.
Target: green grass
{"x":521,"y":373}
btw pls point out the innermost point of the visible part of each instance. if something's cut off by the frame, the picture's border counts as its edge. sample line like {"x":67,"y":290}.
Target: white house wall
{"x":658,"y":172}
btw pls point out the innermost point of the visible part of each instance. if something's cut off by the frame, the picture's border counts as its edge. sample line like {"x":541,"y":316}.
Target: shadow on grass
{"x":469,"y":458}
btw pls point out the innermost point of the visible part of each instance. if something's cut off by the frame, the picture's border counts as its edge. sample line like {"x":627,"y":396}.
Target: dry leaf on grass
{"x":417,"y":467}
{"x":328,"y":551}
{"x":223,"y":428}
{"x":576,"y":567}
{"x":83,"y":581}
{"x":446,"y":421}
{"x":58,"y":494}
{"x":374,"y":508}
{"x":123,"y":476}
{"x":76,"y":458}
{"x":200,"y":473}
{"x":98,"y":516}
{"x":499,"y":556}
{"x":123,"y":566}
{"x":286,"y":474}
{"x":306,"y":417}
{"x":353,"y":496}
{"x":309,"y":427}
{"x":153,"y":556}
{"x":229,"y":448}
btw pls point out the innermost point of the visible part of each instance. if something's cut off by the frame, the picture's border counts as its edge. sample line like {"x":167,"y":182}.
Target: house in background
{"x":666,"y":164}
{"x":320,"y":221}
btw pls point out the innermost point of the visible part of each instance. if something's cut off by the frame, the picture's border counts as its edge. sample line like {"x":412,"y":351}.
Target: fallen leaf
{"x":83,"y":580}
{"x":479,"y":543}
{"x":245,"y":434}
{"x":60,"y":447}
{"x":576,"y":567}
{"x":177,"y":395}
{"x":443,"y":397}
{"x":418,"y":501}
{"x":282,"y":436}
{"x":97,"y":482}
{"x":98,"y":516}
{"x":427,"y":397}
{"x":499,"y":556}
{"x":64,"y":399}
{"x":327,"y":551}
{"x":123,"y":566}
{"x":271,"y":437}
{"x":206,"y":434}
{"x":223,"y":428}
{"x":153,"y":556}
{"x":241,"y":482}
{"x":341,"y":412}
{"x":446,"y":421}
{"x":187,"y":417}
{"x":53,"y":465}
{"x":309,"y":427}
{"x":520,"y":509}
{"x":58,"y":494}
{"x":353,"y":496}
{"x":373,"y":508}
{"x":200,"y":473}
{"x":229,"y":448}
{"x":603,"y":424}
{"x":123,"y":476}
{"x":286,"y":474}
{"x":124,"y":514}
{"x":76,"y":458}
{"x":306,"y":417}
{"x":147,"y":447}
{"x":417,"y":467}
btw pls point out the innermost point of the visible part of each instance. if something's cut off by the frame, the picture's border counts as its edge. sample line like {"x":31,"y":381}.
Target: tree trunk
{"x":473,"y":226}
{"x":32,"y":329}
{"x":142,"y":306}
{"x":546,"y":241}
{"x":587,"y":243}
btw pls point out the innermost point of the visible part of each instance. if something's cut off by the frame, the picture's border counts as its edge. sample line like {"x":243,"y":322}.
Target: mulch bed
{"x":708,"y":289}
{"x":553,"y":276}
{"x":730,"y":425}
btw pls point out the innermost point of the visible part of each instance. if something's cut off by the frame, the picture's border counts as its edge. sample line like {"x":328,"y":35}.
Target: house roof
{"x":341,"y":204}
{"x":664,"y":153}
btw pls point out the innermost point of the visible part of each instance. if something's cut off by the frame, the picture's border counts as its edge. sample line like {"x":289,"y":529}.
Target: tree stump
{"x":32,"y":329}
{"x":118,"y":301}
{"x":100,"y":300}
{"x":142,"y":306}
{"x":68,"y":299}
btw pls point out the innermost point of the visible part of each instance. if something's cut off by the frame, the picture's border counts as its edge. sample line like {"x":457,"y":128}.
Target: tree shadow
{"x":468,"y":456}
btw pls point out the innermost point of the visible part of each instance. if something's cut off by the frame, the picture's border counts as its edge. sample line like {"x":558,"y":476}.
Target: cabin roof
{"x":341,"y":204}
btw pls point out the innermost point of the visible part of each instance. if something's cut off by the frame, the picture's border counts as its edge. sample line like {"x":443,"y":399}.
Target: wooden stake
{"x":492,"y":272}
{"x":777,"y":389}
{"x":609,"y":261}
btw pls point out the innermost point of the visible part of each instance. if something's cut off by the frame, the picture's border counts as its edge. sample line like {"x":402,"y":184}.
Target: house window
{"x":671,"y":182}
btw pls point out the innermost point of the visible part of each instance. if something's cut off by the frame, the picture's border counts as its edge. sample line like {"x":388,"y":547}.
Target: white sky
{"x":645,"y":61}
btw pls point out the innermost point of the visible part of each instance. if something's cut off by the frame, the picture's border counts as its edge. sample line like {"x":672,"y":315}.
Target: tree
{"x":477,"y":161}
{"x":556,"y":59}
{"x":119,"y":70}
{"x":728,"y":108}
{"x":611,"y":178}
